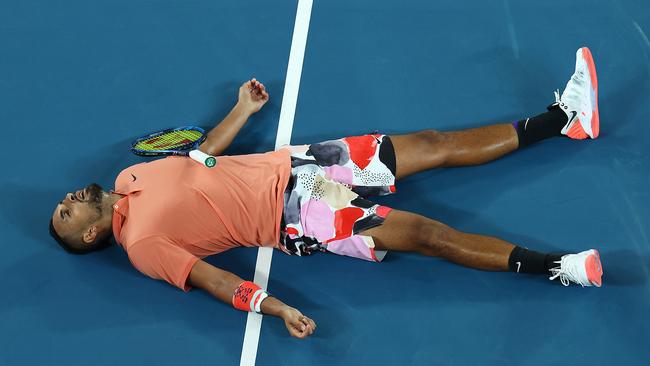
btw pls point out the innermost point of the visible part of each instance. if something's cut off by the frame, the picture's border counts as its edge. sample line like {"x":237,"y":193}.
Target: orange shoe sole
{"x":594,"y":269}
{"x":595,"y":121}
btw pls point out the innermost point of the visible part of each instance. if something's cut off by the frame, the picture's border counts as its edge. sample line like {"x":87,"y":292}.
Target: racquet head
{"x":169,"y":141}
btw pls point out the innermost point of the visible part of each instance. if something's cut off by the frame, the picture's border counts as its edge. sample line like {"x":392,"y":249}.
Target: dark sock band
{"x":540,"y":127}
{"x":523,"y":260}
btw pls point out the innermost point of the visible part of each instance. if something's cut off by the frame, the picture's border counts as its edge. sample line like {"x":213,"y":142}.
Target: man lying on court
{"x":170,"y":213}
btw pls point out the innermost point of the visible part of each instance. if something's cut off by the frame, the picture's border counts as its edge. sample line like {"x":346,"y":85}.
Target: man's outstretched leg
{"x":574,"y":114}
{"x":409,"y":232}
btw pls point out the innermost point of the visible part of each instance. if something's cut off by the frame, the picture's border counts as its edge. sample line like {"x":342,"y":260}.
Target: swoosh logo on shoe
{"x":518,"y":266}
{"x":573,"y":117}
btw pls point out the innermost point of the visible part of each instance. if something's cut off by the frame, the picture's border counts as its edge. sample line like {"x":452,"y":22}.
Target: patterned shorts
{"x":324,"y":208}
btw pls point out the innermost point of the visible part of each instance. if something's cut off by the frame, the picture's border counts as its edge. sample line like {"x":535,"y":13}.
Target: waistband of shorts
{"x":287,"y":190}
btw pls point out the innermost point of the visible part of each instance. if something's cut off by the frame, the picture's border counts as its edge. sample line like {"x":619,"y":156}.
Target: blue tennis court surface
{"x":80,"y":79}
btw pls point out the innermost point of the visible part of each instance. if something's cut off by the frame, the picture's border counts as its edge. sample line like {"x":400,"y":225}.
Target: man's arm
{"x":222,"y":285}
{"x":252,"y":96}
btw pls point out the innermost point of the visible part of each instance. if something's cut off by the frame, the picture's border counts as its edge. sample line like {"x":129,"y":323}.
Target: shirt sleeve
{"x":158,"y":258}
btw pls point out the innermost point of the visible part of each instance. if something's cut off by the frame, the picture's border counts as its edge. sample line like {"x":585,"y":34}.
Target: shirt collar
{"x":120,"y":210}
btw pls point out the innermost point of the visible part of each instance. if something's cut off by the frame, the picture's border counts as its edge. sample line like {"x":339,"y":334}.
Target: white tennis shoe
{"x":583,"y":268}
{"x":579,"y":99}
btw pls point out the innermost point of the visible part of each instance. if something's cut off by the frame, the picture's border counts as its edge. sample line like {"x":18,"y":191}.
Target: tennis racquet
{"x":181,"y":141}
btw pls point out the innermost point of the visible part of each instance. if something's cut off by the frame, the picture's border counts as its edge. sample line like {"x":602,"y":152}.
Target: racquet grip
{"x":203,"y":158}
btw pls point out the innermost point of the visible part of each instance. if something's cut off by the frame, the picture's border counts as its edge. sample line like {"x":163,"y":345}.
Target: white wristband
{"x":258,"y":302}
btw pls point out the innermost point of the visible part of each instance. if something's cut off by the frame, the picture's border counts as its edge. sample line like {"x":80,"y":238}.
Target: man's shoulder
{"x":157,"y":166}
{"x":146,"y":243}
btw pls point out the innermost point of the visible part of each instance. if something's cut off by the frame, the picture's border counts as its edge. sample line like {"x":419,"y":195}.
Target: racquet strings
{"x":171,"y":140}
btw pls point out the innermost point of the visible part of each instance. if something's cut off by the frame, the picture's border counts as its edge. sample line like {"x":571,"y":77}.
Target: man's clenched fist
{"x":252,"y":96}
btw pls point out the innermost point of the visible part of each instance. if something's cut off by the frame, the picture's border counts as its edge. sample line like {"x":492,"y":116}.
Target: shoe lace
{"x":568,"y":271}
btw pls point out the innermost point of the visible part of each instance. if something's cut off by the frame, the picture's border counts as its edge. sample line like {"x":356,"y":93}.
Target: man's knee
{"x":434,"y":238}
{"x":438,"y":142}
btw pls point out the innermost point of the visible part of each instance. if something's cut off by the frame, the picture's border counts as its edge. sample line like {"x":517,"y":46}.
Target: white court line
{"x":285,"y":126}
{"x":642,"y":33}
{"x":511,"y":30}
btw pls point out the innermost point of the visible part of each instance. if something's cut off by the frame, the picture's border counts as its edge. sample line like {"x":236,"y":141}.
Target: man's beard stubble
{"x":95,"y":196}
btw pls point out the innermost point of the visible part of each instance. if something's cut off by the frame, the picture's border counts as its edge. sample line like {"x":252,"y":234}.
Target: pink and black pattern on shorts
{"x":324,"y":204}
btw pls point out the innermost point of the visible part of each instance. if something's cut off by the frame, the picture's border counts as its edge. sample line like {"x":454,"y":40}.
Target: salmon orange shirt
{"x":176,"y":210}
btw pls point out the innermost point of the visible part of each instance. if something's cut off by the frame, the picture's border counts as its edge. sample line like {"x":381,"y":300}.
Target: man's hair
{"x":73,"y":249}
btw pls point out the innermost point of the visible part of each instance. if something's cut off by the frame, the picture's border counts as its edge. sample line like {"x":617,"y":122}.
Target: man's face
{"x":78,"y":210}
